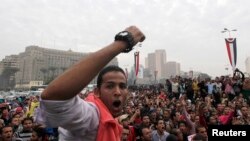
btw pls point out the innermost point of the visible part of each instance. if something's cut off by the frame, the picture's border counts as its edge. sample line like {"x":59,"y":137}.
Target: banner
{"x":232,"y":51}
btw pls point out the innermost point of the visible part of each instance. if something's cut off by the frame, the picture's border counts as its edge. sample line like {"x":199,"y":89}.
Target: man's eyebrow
{"x":112,"y":82}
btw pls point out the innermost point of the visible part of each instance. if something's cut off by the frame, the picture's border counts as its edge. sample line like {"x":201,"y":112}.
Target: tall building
{"x":160,"y":58}
{"x":247,"y":63}
{"x":41,"y":65}
{"x":172,"y":69}
{"x":155,"y":62}
{"x":151,"y":62}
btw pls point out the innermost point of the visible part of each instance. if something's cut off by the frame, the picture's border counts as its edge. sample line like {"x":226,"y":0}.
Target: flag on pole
{"x":136,"y":58}
{"x":232,"y":51}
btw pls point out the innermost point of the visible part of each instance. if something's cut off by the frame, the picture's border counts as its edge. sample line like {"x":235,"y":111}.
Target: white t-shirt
{"x":77,"y":119}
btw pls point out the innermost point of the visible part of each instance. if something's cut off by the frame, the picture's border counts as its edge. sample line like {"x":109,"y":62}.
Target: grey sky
{"x":189,"y":30}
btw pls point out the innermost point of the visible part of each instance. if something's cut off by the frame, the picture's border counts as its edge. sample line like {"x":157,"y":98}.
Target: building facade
{"x":155,"y":62}
{"x":8,"y":67}
{"x":172,"y":69}
{"x":37,"y":64}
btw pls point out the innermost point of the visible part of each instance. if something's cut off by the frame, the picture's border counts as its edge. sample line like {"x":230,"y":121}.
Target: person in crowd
{"x":6,"y":134}
{"x":26,"y":133}
{"x":160,"y":133}
{"x":146,"y":134}
{"x":125,"y":133}
{"x":196,"y":88}
{"x":15,"y":124}
{"x":227,"y":116}
{"x":238,"y":81}
{"x":145,"y":123}
{"x":199,"y":137}
{"x":5,"y":115}
{"x":124,"y":121}
{"x":33,"y":104}
{"x":177,"y":132}
{"x":38,"y":133}
{"x":245,"y":116}
{"x":96,"y":117}
{"x":202,"y":130}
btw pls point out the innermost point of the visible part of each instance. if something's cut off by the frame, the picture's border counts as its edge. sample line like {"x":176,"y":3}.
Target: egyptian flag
{"x":136,"y":58}
{"x":232,"y":51}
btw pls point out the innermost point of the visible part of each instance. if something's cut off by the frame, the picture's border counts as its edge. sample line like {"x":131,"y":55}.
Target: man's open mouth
{"x":117,"y":103}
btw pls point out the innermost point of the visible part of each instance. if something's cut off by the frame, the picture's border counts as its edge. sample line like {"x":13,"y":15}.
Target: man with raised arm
{"x":94,"y":118}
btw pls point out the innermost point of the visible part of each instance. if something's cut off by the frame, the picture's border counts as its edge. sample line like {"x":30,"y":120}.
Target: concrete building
{"x":151,"y":62}
{"x":155,"y":62}
{"x":9,"y":61}
{"x":8,"y":67}
{"x":172,"y":69}
{"x":39,"y":64}
{"x":160,"y":58}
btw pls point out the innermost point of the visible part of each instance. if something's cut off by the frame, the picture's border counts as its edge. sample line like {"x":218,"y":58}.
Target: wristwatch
{"x":126,"y":37}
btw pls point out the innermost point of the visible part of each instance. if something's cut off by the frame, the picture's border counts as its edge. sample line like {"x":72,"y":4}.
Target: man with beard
{"x":93,"y":119}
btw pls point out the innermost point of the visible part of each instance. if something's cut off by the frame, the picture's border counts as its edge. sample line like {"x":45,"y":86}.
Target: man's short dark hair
{"x":27,"y":119}
{"x":40,"y":131}
{"x":1,"y":129}
{"x":106,"y":70}
{"x":199,"y":137}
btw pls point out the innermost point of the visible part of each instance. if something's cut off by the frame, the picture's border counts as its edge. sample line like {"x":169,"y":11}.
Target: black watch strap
{"x":126,"y":37}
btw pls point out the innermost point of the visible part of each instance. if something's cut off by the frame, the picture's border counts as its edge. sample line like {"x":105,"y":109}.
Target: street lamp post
{"x":229,"y":31}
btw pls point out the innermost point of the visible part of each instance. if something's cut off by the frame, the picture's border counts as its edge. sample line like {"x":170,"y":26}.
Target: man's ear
{"x":97,"y":92}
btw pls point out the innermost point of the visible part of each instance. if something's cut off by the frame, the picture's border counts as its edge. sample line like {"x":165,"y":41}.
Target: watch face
{"x":124,"y":34}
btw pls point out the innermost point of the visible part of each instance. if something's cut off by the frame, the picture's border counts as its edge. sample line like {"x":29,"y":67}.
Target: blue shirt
{"x":157,"y":137}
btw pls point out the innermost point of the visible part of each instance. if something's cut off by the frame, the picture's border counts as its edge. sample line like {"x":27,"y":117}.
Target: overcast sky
{"x":189,"y":30}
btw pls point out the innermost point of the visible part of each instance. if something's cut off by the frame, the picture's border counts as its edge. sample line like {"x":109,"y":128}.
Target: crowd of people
{"x":17,"y":121}
{"x":181,"y":109}
{"x":185,"y":108}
